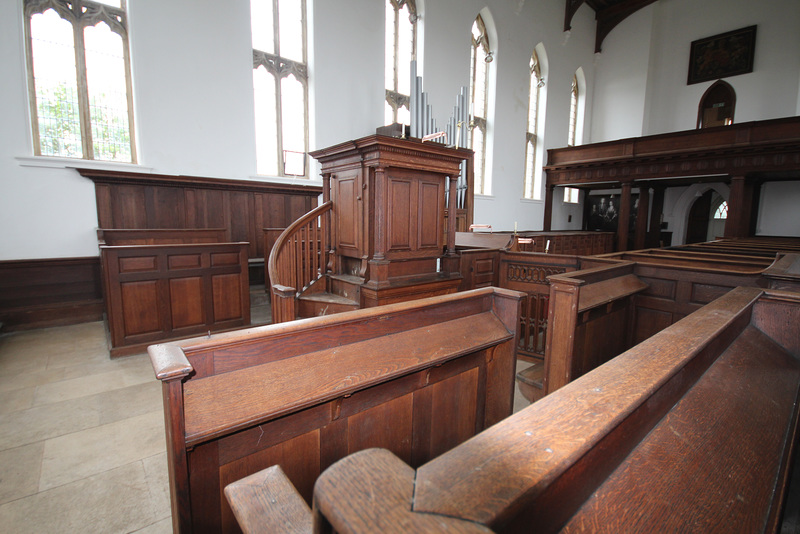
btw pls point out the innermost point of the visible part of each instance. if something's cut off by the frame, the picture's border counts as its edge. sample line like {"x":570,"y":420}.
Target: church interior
{"x":584,"y":118}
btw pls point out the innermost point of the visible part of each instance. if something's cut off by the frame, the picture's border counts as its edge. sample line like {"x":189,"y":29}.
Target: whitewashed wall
{"x":193,"y":95}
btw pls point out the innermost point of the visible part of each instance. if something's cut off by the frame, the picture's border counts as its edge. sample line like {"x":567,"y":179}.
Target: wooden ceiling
{"x":608,"y":14}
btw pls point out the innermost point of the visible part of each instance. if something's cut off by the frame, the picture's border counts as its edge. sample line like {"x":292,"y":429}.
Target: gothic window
{"x":573,"y":112}
{"x":533,"y":176}
{"x":280,"y":84}
{"x":721,"y":211}
{"x":79,"y":79}
{"x":481,"y":58}
{"x":400,"y":49}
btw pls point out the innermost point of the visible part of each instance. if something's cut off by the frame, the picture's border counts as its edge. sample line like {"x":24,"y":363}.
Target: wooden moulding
{"x":692,"y":429}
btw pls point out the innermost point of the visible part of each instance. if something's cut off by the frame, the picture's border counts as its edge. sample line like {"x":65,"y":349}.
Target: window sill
{"x":75,"y":163}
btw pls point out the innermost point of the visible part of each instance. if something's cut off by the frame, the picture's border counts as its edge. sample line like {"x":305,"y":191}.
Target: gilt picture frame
{"x":723,"y":55}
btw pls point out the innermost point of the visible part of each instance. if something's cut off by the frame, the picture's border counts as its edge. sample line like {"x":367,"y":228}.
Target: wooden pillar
{"x":740,"y":208}
{"x":548,"y":207}
{"x":452,"y":219}
{"x":624,"y":217}
{"x":654,"y":233}
{"x":640,"y":236}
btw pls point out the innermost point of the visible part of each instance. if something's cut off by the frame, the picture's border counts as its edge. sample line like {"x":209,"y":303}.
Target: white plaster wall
{"x":770,"y":91}
{"x":348,"y":69}
{"x":621,"y":79}
{"x":193,"y":98}
{"x":44,"y":212}
{"x":778,"y":211}
{"x":517,"y":27}
{"x":193,"y":84}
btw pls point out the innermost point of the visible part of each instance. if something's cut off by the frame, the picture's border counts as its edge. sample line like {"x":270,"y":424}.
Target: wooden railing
{"x":298,"y":259}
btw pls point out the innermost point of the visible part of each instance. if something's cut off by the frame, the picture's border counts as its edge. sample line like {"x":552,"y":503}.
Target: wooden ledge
{"x":287,"y":385}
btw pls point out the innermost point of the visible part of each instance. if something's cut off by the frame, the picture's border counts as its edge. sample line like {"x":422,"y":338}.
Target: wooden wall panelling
{"x":49,"y":292}
{"x":136,"y":200}
{"x":437,"y":371}
{"x":675,"y":292}
{"x":169,"y":291}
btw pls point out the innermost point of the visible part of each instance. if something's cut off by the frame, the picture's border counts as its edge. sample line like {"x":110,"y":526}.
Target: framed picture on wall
{"x":604,"y":212}
{"x":723,"y":55}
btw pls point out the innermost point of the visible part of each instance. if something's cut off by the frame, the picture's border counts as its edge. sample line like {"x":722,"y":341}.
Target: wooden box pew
{"x":529,"y":272}
{"x":784,"y":273}
{"x":171,"y":283}
{"x":693,"y":430}
{"x":590,"y":320}
{"x":673,"y":287}
{"x":416,"y":378}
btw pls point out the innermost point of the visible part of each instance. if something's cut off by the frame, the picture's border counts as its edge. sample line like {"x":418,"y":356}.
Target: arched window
{"x":721,"y":211}
{"x":717,"y":105}
{"x":573,"y":112}
{"x":400,"y":50}
{"x":79,"y":79}
{"x":481,"y":58}
{"x":533,"y":175}
{"x":280,"y":85}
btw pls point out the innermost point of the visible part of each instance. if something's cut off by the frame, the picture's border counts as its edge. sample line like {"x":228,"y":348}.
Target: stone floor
{"x":82,"y":445}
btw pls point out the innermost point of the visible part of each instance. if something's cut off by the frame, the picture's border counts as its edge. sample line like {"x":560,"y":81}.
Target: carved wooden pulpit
{"x":388,"y":221}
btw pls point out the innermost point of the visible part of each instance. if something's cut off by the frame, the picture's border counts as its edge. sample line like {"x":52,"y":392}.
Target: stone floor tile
{"x":16,"y":400}
{"x":161,"y":527}
{"x":19,"y":471}
{"x":95,"y":450}
{"x":109,"y":502}
{"x":157,"y":474}
{"x":42,"y":422}
{"x":90,"y":384}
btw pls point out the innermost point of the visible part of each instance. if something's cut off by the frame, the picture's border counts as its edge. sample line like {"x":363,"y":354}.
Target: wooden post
{"x":452,"y":219}
{"x":740,"y":208}
{"x":624,"y":217}
{"x":548,"y":207}
{"x":654,"y":234}
{"x":641,"y":217}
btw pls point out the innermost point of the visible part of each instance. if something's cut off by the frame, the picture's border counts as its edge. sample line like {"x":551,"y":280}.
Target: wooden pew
{"x":416,"y":378}
{"x":171,"y":283}
{"x":693,"y":430}
{"x":589,"y":320}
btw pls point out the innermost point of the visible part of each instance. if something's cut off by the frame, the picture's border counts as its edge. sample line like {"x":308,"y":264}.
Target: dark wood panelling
{"x":169,"y":291}
{"x":51,"y":292}
{"x":394,"y":378}
{"x":243,"y":208}
{"x":693,"y":430}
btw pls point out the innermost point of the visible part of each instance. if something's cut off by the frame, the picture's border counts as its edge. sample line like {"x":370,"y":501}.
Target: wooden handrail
{"x":298,"y":259}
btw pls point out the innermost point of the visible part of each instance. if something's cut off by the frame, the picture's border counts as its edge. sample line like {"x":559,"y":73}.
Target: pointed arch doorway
{"x":703,"y":222}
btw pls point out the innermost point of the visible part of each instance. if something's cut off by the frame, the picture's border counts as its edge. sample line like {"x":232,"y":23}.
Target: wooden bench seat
{"x":416,"y":378}
{"x":693,"y":430}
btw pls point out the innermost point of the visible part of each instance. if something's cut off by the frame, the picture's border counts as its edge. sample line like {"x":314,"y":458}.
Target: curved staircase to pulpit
{"x":383,"y":233}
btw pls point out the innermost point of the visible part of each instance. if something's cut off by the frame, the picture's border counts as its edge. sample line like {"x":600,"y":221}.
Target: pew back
{"x":416,"y":378}
{"x":692,"y":430}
